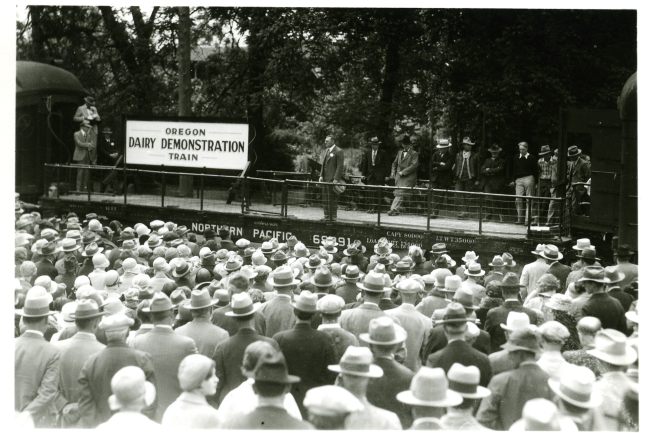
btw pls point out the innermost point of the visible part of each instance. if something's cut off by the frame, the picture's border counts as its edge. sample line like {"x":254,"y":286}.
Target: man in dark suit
{"x":499,"y":315}
{"x":385,"y":338}
{"x":454,"y":323}
{"x":230,"y":354}
{"x":466,"y":172}
{"x":332,"y":171}
{"x":308,"y":352}
{"x":405,"y":173}
{"x":206,"y":336}
{"x":357,"y":319}
{"x":492,"y":180}
{"x":272,"y":382}
{"x":600,"y":305}
{"x":84,"y":153}
{"x":167,"y":350}
{"x":442,"y":175}
{"x":237,"y":283}
{"x":75,"y":351}
{"x":374,"y":169}
{"x":36,"y":364}
{"x":560,"y":271}
{"x":45,"y":266}
{"x":97,"y":372}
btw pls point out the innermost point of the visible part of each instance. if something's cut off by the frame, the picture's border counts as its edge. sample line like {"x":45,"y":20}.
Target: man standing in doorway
{"x":524,"y":171}
{"x":332,"y":169}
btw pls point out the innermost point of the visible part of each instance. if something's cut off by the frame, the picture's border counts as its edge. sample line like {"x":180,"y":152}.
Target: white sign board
{"x":187,"y":144}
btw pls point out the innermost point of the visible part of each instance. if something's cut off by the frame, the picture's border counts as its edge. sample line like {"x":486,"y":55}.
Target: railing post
{"x":202,"y":187}
{"x":429,"y":199}
{"x":88,"y":183}
{"x":480,"y":214}
{"x":163,"y":186}
{"x":380,"y":199}
{"x":529,"y":205}
{"x":125,"y":186}
{"x":285,"y":198}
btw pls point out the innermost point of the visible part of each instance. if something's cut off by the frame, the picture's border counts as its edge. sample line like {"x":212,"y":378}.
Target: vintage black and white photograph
{"x":334,"y":217}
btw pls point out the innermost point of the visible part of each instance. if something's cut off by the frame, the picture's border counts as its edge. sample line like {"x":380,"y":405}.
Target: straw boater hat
{"x":314,"y":262}
{"x":474,"y":270}
{"x":330,"y":244}
{"x":581,"y":244}
{"x":242,"y":305}
{"x":306,"y":301}
{"x":517,"y":321}
{"x":576,"y":386}
{"x":443,"y":143}
{"x":470,"y":256}
{"x":383,"y":331}
{"x":373,"y":282}
{"x":467,"y":140}
{"x":612,"y":347}
{"x":465,"y":381}
{"x":539,"y":414}
{"x":354,"y":248}
{"x":357,"y":361}
{"x":429,"y":387}
{"x":551,"y":252}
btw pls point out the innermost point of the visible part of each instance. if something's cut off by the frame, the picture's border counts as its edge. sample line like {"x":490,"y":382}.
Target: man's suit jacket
{"x":500,"y":362}
{"x":473,"y":165}
{"x":167,"y":350}
{"x":510,"y":392}
{"x":36,"y":373}
{"x":561,"y":272}
{"x":461,"y":352}
{"x":84,"y":146}
{"x":46,"y":267}
{"x":75,"y":351}
{"x":442,"y":174}
{"x":267,"y":418}
{"x":377,"y":174}
{"x":498,"y":315}
{"x":308,"y":353}
{"x":95,"y":380}
{"x":341,"y":339}
{"x":278,"y":315}
{"x":608,"y":309}
{"x":356,"y":320}
{"x":408,"y":165}
{"x":382,"y":391}
{"x":228,"y":358}
{"x":431,"y":303}
{"x":417,"y":328}
{"x":438,"y":341}
{"x":333,"y":165}
{"x":348,"y":291}
{"x":206,"y":336}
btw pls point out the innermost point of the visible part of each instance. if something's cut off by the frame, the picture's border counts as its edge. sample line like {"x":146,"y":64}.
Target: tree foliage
{"x":500,"y":76}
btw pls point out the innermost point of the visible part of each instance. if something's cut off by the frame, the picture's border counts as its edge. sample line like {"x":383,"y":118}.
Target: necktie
{"x":374,"y":154}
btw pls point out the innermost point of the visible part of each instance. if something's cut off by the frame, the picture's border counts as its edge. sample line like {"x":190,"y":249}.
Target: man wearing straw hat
{"x":36,"y":365}
{"x":493,"y":179}
{"x":206,"y":335}
{"x":356,"y":320}
{"x":532,"y":271}
{"x":330,"y":307}
{"x":540,"y":414}
{"x":99,"y":369}
{"x":442,"y":175}
{"x":131,"y":394}
{"x":465,"y":381}
{"x":355,"y":371}
{"x":278,"y":312}
{"x":385,"y":338}
{"x":428,"y":396}
{"x":308,"y":352}
{"x":75,"y":351}
{"x":512,"y":389}
{"x":616,"y":355}
{"x":577,"y":399}
{"x":500,"y":361}
{"x":167,"y":350}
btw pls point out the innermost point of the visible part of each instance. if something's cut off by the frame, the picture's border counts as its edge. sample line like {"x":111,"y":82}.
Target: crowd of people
{"x":153,"y":325}
{"x":463,"y":170}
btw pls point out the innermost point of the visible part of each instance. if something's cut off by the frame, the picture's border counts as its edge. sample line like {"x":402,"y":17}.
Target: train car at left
{"x":46,"y":99}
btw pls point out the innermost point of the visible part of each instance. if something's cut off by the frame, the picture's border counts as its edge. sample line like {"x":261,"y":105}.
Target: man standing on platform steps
{"x":524,"y":170}
{"x":332,"y":170}
{"x":405,"y":173}
{"x":374,"y":168}
{"x":442,"y":175}
{"x":466,"y":172}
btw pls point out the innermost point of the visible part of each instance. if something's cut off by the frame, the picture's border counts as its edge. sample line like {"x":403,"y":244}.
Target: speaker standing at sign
{"x":332,"y":169}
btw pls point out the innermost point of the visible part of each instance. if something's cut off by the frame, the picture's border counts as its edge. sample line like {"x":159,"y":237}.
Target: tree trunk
{"x":388,"y":87}
{"x":257,"y":62}
{"x":185,"y":183}
{"x":38,"y":38}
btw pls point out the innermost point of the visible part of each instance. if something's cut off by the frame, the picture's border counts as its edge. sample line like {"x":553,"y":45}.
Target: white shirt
{"x":243,"y":400}
{"x":129,"y":421}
